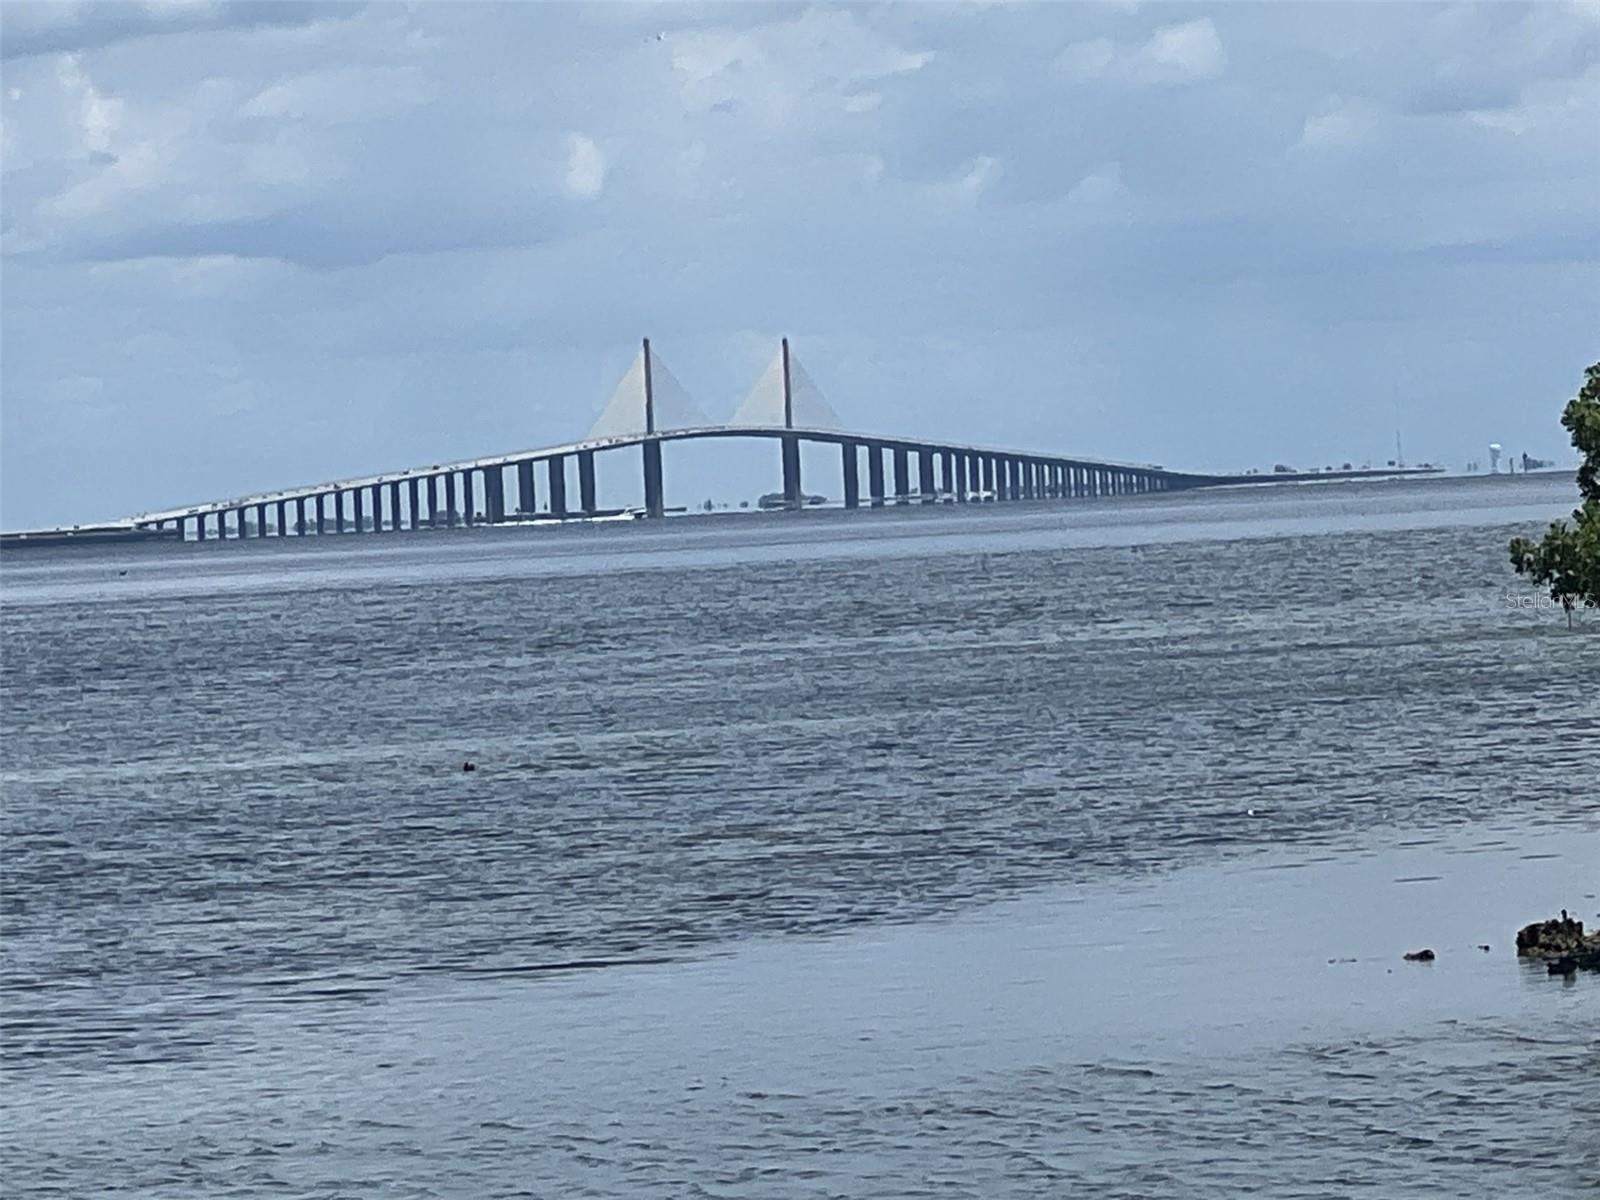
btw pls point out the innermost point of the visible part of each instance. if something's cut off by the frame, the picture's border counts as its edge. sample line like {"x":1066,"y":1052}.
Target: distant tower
{"x":1494,"y":458}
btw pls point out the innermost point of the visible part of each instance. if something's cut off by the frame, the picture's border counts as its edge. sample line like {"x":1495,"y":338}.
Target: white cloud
{"x":1172,"y":54}
{"x":99,"y":116}
{"x":586,"y":167}
{"x":1101,"y":186}
{"x":345,"y":94}
{"x":1339,"y":122}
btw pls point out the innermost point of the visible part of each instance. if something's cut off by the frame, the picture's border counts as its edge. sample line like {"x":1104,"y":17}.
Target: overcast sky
{"x":261,"y":244}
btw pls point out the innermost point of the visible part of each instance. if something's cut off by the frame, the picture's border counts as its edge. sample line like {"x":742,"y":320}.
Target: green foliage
{"x":1567,"y":558}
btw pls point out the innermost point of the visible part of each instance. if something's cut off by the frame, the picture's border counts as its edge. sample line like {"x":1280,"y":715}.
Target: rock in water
{"x":1560,"y":939}
{"x":1421,"y":956}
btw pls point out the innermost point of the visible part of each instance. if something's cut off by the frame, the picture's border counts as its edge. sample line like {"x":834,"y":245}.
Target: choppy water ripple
{"x":254,"y":800}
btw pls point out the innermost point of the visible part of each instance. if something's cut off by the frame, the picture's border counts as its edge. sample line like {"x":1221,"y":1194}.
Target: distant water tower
{"x":1494,"y":458}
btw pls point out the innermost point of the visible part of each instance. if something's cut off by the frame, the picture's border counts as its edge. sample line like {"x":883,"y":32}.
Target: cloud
{"x":1339,"y":122}
{"x":33,"y":27}
{"x":1172,"y":54}
{"x":1102,"y":186}
{"x":586,"y":167}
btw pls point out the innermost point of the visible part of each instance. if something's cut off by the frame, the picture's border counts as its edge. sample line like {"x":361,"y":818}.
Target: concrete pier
{"x":927,"y":491}
{"x":394,"y":507}
{"x":556,"y":476}
{"x":586,"y":491}
{"x":413,"y":495}
{"x":902,"y":475}
{"x":469,"y":502}
{"x":322,"y":516}
{"x":527,"y":497}
{"x":654,"y":500}
{"x":793,"y":497}
{"x":299,"y":517}
{"x":494,"y":495}
{"x":875,"y":474}
{"x":451,"y":515}
{"x":851,"y":467}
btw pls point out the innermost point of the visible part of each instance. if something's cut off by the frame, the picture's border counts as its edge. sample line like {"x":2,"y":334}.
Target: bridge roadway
{"x":943,"y":470}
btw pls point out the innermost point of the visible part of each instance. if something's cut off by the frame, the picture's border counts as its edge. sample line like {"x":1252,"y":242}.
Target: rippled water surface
{"x":262,"y":933}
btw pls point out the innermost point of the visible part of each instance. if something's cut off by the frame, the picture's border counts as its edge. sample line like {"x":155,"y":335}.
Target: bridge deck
{"x":827,"y":436}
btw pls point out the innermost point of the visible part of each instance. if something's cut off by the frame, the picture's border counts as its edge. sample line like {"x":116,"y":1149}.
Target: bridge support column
{"x":494,"y":494}
{"x":394,"y":507}
{"x":299,"y":518}
{"x":850,"y":466}
{"x":556,"y":476}
{"x":377,"y":508}
{"x":586,"y":492}
{"x":875,"y":475}
{"x":986,"y":474}
{"x":199,"y":528}
{"x":793,"y":496}
{"x":527,"y":495}
{"x":451,"y":516}
{"x":433,"y":502}
{"x":961,"y":478}
{"x":359,"y":502}
{"x":655,"y":504}
{"x":469,"y":501}
{"x":283,"y":525}
{"x":926,"y":488}
{"x":413,"y":495}
{"x":261,"y":520}
{"x":902,"y":476}
{"x":322,"y":516}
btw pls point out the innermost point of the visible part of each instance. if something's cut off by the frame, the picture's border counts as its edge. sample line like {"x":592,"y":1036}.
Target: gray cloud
{"x":63,"y":26}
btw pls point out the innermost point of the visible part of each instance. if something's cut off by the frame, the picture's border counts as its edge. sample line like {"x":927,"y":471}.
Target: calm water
{"x":1025,"y":768}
